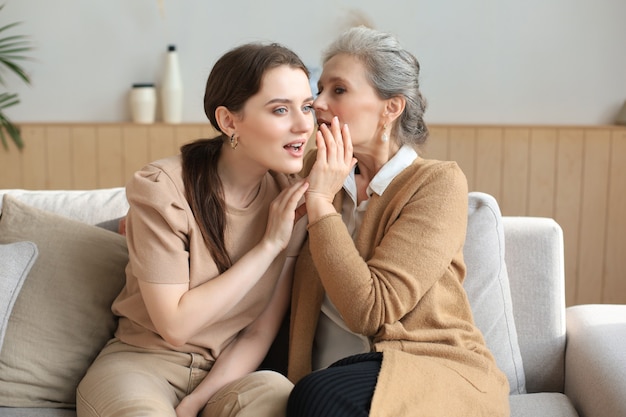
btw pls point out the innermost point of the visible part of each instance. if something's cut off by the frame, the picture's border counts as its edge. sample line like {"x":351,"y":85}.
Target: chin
{"x":292,"y":168}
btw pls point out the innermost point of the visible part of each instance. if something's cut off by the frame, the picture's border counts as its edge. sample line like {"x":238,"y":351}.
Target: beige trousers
{"x":126,"y":381}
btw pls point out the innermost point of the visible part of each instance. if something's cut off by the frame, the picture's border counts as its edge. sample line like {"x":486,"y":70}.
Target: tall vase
{"x":172,"y":88}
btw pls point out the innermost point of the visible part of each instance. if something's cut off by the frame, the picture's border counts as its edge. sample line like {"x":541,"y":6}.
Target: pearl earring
{"x":384,"y":136}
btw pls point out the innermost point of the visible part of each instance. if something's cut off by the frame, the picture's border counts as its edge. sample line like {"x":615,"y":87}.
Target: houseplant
{"x":12,"y":48}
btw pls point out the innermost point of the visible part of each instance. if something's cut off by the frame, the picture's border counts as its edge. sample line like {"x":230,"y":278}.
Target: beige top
{"x":166,"y":247}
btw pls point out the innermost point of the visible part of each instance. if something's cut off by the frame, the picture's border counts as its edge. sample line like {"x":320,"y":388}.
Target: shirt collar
{"x":402,"y":159}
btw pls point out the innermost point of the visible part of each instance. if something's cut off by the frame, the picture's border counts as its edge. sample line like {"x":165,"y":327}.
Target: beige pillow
{"x":62,"y":316}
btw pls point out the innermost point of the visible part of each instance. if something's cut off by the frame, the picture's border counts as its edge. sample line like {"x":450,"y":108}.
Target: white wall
{"x":483,"y":61}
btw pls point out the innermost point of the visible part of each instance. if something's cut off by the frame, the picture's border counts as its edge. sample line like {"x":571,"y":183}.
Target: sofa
{"x":62,"y":263}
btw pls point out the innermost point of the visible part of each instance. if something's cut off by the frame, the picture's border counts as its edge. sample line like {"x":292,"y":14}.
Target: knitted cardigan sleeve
{"x":411,"y":237}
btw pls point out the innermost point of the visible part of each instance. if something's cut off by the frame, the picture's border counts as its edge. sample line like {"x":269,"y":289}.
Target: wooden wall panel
{"x":489,"y":160}
{"x":437,"y":145}
{"x":10,"y":166}
{"x":84,"y":152}
{"x":59,"y":173}
{"x":542,"y":174}
{"x":568,"y":200}
{"x":593,"y":216}
{"x":136,"y":147}
{"x":574,"y":174}
{"x":34,"y":163}
{"x":110,"y":156}
{"x":614,"y":282}
{"x":515,"y":172}
{"x":462,"y":149}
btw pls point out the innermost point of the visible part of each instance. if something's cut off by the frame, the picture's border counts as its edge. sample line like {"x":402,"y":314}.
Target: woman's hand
{"x":332,"y":166}
{"x":282,"y":215}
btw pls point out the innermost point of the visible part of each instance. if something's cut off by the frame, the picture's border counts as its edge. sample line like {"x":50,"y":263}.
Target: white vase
{"x":172,"y":88}
{"x":143,"y":102}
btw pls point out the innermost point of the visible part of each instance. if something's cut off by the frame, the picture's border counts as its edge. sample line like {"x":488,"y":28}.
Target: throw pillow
{"x":16,"y":260}
{"x":487,"y":286}
{"x":62,"y":316}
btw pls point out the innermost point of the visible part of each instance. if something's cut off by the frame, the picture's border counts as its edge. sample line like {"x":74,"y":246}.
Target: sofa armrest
{"x":534,"y":260}
{"x":595,"y":369}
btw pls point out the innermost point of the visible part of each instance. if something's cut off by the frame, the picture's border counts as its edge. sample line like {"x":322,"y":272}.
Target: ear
{"x":394,"y":107}
{"x":226,"y":120}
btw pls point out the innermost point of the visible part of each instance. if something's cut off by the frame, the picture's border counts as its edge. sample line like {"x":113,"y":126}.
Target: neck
{"x":241,"y":184}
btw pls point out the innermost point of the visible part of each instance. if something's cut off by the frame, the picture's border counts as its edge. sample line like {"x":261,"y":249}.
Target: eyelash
{"x":282,"y":110}
{"x":337,"y":90}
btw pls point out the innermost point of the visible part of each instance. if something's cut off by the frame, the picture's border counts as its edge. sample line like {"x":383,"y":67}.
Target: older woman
{"x":378,"y":307}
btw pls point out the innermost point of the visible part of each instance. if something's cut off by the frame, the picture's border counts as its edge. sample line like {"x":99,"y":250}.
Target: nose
{"x":303,"y":122}
{"x":319,"y":104}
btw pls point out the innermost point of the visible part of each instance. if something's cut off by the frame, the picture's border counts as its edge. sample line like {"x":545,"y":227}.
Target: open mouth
{"x":295,"y":146}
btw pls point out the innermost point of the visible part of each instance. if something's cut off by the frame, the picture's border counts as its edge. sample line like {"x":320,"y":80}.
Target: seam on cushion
{"x":501,"y":249}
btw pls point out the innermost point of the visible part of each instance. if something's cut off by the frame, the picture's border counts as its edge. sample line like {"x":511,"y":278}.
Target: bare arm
{"x":170,"y":306}
{"x":247,"y":351}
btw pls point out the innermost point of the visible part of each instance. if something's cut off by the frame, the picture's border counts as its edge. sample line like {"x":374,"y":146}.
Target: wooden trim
{"x":574,"y":174}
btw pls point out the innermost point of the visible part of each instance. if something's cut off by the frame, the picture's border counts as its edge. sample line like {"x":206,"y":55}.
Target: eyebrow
{"x":287,"y":101}
{"x":333,"y":79}
{"x":336,"y":78}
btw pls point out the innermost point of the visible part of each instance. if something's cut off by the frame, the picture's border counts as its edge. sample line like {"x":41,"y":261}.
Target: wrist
{"x":269,"y":247}
{"x":317,"y":207}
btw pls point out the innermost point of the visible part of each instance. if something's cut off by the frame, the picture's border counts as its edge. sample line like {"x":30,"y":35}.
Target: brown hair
{"x":235,"y":77}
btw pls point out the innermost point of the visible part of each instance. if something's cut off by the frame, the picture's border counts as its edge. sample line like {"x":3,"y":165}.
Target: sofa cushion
{"x":16,"y":260}
{"x":549,"y":404}
{"x":487,"y":286}
{"x":62,"y":316}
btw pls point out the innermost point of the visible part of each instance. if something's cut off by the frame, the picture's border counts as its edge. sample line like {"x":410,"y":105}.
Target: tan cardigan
{"x":400,"y":284}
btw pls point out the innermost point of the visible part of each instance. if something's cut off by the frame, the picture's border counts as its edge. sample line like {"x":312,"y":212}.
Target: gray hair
{"x":392,"y":71}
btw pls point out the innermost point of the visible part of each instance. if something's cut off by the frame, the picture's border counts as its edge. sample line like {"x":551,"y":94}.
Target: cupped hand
{"x":333,"y":164}
{"x":282,"y":214}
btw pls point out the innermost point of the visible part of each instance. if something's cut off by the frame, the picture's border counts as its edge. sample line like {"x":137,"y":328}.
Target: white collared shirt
{"x":333,"y":339}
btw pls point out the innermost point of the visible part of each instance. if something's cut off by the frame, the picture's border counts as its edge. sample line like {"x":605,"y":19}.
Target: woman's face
{"x":276,"y":123}
{"x":345,"y":92}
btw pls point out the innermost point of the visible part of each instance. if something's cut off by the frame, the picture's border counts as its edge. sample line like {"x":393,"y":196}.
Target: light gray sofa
{"x":56,"y":293}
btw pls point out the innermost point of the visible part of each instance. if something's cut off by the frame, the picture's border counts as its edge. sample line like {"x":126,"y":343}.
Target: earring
{"x":234,"y":141}
{"x":384,"y":136}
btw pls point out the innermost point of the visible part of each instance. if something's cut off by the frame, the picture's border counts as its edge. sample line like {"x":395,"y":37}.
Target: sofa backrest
{"x":515,"y":279}
{"x":487,"y":286}
{"x":535,"y":263}
{"x":100,"y":207}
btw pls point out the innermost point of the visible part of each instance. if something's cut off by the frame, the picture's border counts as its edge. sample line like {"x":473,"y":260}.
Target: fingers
{"x":288,"y":199}
{"x":334,"y":143}
{"x":347,"y":145}
{"x":283,"y":214}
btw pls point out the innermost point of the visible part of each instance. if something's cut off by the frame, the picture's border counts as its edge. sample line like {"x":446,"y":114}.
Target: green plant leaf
{"x":13,"y":49}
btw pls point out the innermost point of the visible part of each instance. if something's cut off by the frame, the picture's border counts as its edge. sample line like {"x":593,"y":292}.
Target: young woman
{"x":211,"y":253}
{"x":378,"y":309}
